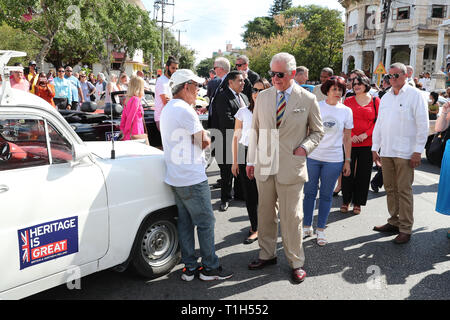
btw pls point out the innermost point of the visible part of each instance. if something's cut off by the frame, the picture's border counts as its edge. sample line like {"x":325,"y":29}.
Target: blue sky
{"x":213,"y":23}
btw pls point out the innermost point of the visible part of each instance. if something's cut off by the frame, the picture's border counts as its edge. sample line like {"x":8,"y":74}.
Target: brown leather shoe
{"x":387,"y":228}
{"x":402,"y":238}
{"x":260,"y":263}
{"x":298,"y":275}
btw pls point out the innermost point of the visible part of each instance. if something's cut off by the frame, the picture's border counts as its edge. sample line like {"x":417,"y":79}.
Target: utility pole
{"x":162,"y":4}
{"x":387,"y":9}
{"x":179,"y":31}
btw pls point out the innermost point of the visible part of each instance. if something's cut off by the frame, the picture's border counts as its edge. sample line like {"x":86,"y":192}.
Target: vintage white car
{"x":68,"y":208}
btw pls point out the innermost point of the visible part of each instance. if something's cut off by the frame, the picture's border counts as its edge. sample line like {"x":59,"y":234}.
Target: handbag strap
{"x":375,"y":108}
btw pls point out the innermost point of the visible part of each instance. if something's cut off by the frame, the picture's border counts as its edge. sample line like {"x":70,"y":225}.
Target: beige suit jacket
{"x":271,"y":150}
{"x":318,"y":92}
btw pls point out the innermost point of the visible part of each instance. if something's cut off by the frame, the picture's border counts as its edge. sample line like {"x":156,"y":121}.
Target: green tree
{"x":16,"y":39}
{"x":323,"y":46}
{"x":260,"y":27}
{"x":42,"y":19}
{"x":318,"y":42}
{"x":204,"y":66}
{"x":263,"y":49}
{"x":279,"y":6}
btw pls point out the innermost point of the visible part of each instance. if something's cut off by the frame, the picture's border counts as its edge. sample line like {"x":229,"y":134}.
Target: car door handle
{"x":3,"y":188}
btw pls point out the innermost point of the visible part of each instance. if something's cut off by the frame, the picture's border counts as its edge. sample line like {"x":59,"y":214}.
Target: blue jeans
{"x":195,"y":210}
{"x":328,"y":173}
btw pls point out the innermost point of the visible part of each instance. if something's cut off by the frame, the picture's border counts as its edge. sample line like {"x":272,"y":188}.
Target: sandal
{"x":344,"y":208}
{"x":308,"y":232}
{"x":356,"y":209}
{"x":321,"y":240}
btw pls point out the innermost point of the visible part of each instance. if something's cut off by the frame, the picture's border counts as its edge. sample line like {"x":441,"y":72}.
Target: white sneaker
{"x":321,"y":240}
{"x":308,"y":232}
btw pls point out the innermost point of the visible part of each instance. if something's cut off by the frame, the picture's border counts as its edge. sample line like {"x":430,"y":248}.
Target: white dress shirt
{"x":402,"y":125}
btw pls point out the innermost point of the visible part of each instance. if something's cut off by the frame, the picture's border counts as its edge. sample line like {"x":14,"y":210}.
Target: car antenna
{"x":113,"y":151}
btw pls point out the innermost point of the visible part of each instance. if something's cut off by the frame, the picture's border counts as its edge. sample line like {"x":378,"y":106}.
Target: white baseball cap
{"x":184,"y":75}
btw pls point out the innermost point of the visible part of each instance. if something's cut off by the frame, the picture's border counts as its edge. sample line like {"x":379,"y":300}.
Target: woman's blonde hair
{"x":136,"y":87}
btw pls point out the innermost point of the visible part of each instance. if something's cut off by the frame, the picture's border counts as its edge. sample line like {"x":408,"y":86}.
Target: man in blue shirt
{"x":77,"y":95}
{"x":63,"y":91}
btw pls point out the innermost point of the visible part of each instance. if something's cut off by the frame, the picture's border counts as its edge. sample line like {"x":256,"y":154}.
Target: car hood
{"x":102,"y":149}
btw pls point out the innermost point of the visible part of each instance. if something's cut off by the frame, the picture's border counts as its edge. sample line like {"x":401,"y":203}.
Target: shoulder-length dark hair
{"x":365,"y":81}
{"x":334,"y":81}
{"x":266,"y":85}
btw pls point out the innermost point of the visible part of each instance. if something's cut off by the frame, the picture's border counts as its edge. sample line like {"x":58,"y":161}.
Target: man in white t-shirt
{"x":184,"y":140}
{"x":162,"y":90}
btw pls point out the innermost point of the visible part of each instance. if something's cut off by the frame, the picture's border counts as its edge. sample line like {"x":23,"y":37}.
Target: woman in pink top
{"x":132,"y":123}
{"x":18,"y":81}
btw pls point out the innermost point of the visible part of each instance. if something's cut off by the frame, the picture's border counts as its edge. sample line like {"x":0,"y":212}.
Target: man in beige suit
{"x":286,"y":127}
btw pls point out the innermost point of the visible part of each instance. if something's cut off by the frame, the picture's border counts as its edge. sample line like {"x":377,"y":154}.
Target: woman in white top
{"x":242,"y":127}
{"x":326,"y":162}
{"x":111,"y":87}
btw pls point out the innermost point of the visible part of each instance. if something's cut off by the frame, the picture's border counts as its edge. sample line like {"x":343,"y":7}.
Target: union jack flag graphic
{"x":25,"y":246}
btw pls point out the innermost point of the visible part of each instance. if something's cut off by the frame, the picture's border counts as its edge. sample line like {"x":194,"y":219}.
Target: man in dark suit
{"x":226,"y":103}
{"x":221,"y":67}
{"x":213,"y":83}
{"x":250,"y":77}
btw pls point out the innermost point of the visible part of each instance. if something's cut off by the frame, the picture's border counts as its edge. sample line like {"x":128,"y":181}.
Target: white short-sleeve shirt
{"x":335,"y":119}
{"x":244,"y":115}
{"x":161,"y":87}
{"x":185,"y":161}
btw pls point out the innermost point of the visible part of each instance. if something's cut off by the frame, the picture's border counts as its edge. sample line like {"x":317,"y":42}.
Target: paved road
{"x":358,"y":263}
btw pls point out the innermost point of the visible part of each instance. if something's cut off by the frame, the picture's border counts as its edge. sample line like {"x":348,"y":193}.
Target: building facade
{"x":411,"y":38}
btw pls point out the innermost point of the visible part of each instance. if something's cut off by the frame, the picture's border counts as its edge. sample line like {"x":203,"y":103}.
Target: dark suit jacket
{"x":218,"y":87}
{"x":212,"y":86}
{"x":226,"y":104}
{"x":252,"y":77}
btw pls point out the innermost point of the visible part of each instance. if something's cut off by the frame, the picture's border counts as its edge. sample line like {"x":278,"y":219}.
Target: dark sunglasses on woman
{"x":256,"y":90}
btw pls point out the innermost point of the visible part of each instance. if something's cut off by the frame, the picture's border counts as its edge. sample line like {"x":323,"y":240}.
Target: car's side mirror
{"x":5,"y":151}
{"x":81,"y":152}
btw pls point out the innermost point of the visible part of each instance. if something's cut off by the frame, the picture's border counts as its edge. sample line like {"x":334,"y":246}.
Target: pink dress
{"x":131,"y":122}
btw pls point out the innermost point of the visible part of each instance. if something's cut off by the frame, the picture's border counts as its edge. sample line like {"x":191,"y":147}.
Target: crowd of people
{"x":284,"y":141}
{"x":281,"y":141}
{"x":66,"y":90}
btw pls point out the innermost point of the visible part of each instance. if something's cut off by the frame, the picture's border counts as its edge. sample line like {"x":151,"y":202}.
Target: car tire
{"x":156,"y":249}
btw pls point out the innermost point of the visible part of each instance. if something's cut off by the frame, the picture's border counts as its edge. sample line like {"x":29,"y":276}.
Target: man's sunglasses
{"x":395,"y":75}
{"x":240,"y":64}
{"x":60,"y":70}
{"x":198,"y":85}
{"x":278,"y":74}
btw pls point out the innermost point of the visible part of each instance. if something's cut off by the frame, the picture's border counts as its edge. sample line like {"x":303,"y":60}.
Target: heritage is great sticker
{"x":47,"y":241}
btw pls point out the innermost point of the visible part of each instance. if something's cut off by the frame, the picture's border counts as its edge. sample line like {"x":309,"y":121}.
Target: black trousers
{"x":250,"y":192}
{"x":378,"y":178}
{"x":61,"y":103}
{"x":226,"y":182}
{"x":355,"y":187}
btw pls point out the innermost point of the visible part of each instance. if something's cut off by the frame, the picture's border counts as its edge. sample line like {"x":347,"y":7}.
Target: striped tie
{"x":280,"y":109}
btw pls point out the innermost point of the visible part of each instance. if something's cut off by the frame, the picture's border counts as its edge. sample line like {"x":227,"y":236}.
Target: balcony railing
{"x":434,"y":22}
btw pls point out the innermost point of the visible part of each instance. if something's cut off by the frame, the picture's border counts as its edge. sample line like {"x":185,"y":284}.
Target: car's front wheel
{"x":156,"y":249}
